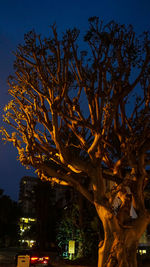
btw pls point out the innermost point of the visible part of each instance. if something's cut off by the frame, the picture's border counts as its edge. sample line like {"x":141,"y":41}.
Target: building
{"x":27,"y":201}
{"x":27,"y":196}
{"x":34,"y":197}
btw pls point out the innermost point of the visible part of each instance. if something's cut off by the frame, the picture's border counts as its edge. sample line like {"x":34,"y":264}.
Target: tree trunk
{"x":117,"y":254}
{"x":119,"y":247}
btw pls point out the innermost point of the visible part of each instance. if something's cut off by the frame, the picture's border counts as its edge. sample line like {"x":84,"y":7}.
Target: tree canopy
{"x":81,"y":118}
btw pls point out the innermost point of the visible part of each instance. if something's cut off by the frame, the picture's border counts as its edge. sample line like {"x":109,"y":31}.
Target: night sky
{"x":17,"y":17}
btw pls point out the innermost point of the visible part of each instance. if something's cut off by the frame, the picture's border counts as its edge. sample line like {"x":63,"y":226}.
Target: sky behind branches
{"x":17,"y":17}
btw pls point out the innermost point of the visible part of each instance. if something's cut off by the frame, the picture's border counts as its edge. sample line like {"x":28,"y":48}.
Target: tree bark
{"x":119,"y":247}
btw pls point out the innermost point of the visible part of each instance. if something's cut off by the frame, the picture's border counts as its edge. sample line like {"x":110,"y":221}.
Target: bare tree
{"x":81,"y":118}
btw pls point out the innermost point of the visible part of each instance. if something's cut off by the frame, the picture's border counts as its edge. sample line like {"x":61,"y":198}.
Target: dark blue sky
{"x":19,"y":16}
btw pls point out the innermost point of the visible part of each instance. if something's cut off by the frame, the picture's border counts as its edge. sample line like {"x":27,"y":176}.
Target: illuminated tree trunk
{"x":119,"y":247}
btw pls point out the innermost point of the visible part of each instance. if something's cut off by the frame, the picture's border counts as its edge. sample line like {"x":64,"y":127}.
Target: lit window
{"x":142,"y":251}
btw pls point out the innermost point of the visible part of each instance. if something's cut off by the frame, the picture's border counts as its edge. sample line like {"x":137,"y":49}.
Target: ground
{"x":7,"y":260}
